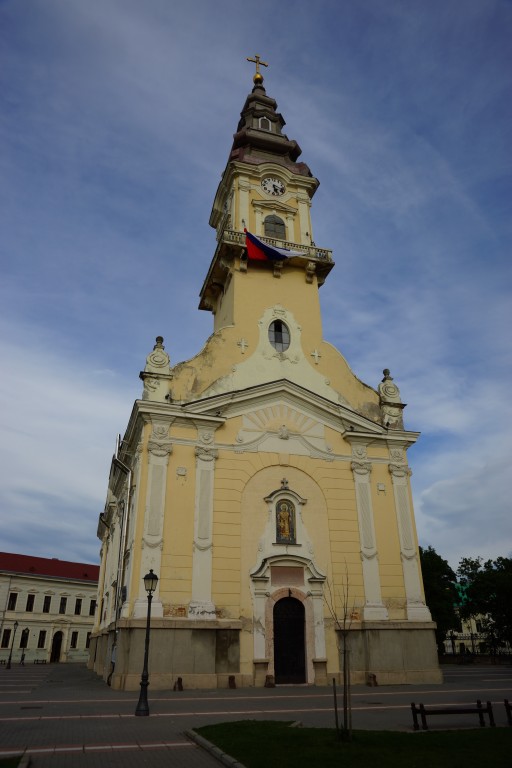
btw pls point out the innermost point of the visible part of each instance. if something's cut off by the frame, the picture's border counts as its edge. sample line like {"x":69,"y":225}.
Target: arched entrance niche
{"x":56,"y":647}
{"x":283,"y":532}
{"x":280,"y":606}
{"x":289,"y":641}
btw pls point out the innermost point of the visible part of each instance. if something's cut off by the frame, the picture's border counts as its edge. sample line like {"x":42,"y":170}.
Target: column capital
{"x":159,"y":448}
{"x":205,"y":453}
{"x":399,"y":470}
{"x":361,"y":467}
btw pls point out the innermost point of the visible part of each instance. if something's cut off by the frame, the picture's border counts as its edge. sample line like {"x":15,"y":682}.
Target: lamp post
{"x":150,"y":583}
{"x":12,"y":645}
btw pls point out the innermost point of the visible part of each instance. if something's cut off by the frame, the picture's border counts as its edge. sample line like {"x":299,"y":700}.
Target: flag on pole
{"x":260,"y":251}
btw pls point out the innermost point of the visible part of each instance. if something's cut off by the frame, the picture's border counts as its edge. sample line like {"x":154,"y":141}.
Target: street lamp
{"x":12,"y":645}
{"x":150,"y":583}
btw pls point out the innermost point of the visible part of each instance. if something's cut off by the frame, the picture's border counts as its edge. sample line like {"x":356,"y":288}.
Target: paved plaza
{"x":63,"y":715}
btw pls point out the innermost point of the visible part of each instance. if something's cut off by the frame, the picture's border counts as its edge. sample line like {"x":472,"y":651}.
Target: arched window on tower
{"x":265,"y":124}
{"x":274,"y":227}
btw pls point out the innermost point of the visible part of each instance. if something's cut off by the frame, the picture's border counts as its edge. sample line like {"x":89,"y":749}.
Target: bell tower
{"x":266,"y":191}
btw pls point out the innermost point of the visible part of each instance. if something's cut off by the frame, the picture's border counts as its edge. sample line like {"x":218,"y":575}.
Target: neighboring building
{"x":472,"y":638}
{"x":262,"y":480}
{"x":47,"y":608}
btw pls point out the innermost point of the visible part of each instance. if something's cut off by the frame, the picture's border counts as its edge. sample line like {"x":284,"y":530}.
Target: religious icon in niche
{"x":285,"y":522}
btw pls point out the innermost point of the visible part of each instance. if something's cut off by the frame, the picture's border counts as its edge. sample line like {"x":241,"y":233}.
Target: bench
{"x":39,"y":661}
{"x":479,"y":710}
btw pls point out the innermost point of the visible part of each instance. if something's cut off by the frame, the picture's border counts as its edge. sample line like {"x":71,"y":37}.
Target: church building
{"x":265,"y":485}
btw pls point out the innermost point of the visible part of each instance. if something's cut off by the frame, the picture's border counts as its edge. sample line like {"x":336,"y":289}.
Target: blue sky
{"x":116,"y":122}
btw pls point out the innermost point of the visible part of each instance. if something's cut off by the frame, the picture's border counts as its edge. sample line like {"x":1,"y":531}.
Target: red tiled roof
{"x":44,"y":566}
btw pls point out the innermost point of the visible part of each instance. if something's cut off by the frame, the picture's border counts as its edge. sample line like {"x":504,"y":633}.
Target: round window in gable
{"x":279,"y":335}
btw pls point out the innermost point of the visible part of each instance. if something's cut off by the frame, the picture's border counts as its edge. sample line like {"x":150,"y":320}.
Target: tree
{"x":487,"y":589}
{"x":342,"y":623}
{"x":441,"y":596}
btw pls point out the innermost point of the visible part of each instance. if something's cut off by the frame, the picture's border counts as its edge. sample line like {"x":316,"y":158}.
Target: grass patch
{"x":261,"y":744}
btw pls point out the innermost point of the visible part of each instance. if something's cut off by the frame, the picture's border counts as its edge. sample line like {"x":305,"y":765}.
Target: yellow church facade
{"x":262,"y":481}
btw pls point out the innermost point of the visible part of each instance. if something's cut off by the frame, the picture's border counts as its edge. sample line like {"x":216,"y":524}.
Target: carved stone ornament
{"x":388,"y":390}
{"x":206,"y":436}
{"x":359,"y":451}
{"x":310,"y":271}
{"x":157,"y":448}
{"x":160,"y":431}
{"x":396,"y":454}
{"x":278,"y":268}
{"x":390,"y":403}
{"x":158,"y":358}
{"x":150,"y":384}
{"x":361,"y":467}
{"x":399,"y":470}
{"x":206,"y":454}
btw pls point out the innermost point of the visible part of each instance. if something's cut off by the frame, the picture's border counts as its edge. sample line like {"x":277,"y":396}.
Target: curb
{"x":221,"y":756}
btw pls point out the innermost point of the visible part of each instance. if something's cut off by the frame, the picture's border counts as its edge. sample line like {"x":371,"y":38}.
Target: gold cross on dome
{"x":257,"y":61}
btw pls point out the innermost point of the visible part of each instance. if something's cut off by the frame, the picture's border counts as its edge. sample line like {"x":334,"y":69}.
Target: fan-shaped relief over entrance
{"x":289,"y":641}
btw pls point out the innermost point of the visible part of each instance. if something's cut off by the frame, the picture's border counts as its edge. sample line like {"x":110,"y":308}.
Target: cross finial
{"x":258,"y":77}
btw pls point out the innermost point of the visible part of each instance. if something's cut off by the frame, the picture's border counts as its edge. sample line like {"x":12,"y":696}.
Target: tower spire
{"x":257,"y":77}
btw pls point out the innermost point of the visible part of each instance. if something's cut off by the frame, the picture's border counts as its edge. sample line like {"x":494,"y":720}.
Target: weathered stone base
{"x":205,"y":654}
{"x":395,"y":652}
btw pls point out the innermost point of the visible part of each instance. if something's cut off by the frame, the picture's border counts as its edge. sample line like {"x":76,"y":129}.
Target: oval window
{"x":279,"y":335}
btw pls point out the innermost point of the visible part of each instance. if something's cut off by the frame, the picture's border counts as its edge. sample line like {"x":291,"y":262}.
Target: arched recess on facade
{"x":283,"y":561}
{"x":282,"y":576}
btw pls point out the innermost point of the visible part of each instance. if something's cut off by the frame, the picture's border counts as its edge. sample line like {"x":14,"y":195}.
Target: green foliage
{"x":441,"y":594}
{"x":260,"y":744}
{"x":488,"y":590}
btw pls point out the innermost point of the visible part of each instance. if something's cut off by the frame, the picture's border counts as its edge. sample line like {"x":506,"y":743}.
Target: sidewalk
{"x":65,"y":716}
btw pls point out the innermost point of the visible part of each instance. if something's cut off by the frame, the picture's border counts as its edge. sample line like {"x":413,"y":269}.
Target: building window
{"x":264,"y":124}
{"x":30,"y":603}
{"x":274,"y":227}
{"x":78,"y":606}
{"x":24,"y":638}
{"x":285,"y":522}
{"x":88,"y":640}
{"x":92,"y":608}
{"x":74,"y":639}
{"x":279,"y":336}
{"x":6,"y":636}
{"x":13,"y":598}
{"x":41,"y":640}
{"x":63,"y":604}
{"x":47,"y":604}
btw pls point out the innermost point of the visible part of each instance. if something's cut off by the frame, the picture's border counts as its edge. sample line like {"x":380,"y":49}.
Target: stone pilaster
{"x":374,"y":608}
{"x":416,"y":608}
{"x":201,"y":605}
{"x":159,"y":450}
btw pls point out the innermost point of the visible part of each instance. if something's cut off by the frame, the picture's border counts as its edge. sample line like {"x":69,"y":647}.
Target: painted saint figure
{"x":285,"y":522}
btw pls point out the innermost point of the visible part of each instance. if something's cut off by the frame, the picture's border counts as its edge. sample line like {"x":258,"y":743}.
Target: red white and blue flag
{"x":260,"y":251}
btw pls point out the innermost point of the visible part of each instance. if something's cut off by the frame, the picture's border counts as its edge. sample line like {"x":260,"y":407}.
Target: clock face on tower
{"x":273,"y":186}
